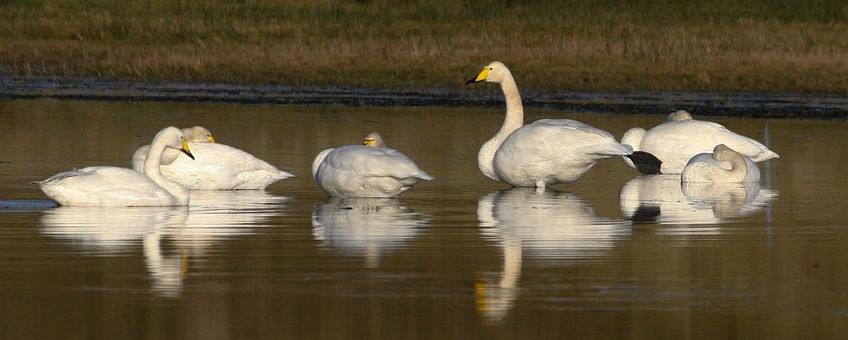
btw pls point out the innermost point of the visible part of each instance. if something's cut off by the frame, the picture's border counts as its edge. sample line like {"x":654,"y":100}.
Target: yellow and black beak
{"x":185,"y":149}
{"x":211,"y":139}
{"x":482,"y":76}
{"x":368,"y":141}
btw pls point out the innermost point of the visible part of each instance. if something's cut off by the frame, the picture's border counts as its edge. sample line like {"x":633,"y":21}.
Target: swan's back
{"x":362,"y":171}
{"x":676,"y":142}
{"x":219,"y":166}
{"x":105,"y":186}
{"x":553,"y":150}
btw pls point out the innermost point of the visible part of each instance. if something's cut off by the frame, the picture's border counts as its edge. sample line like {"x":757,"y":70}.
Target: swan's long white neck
{"x":514,"y":119}
{"x":738,"y":166}
{"x":151,"y":169}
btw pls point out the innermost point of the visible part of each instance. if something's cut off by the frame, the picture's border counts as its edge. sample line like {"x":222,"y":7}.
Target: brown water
{"x":613,"y":255}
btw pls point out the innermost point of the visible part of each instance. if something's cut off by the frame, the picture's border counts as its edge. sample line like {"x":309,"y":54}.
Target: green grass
{"x":723,"y":45}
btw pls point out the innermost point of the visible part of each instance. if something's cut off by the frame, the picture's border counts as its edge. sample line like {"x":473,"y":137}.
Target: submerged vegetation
{"x":721,"y":45}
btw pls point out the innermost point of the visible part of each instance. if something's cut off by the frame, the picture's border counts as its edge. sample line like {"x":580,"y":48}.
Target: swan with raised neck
{"x":497,"y":72}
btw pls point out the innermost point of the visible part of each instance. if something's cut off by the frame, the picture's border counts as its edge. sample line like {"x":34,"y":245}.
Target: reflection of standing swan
{"x":368,"y":170}
{"x":724,"y":165}
{"x":217,"y":166}
{"x":494,"y":297}
{"x":662,"y":199}
{"x":112,"y":186}
{"x":365,"y":226}
{"x":551,"y":225}
{"x":546,"y":152}
{"x":674,"y":142}
{"x":546,"y":226}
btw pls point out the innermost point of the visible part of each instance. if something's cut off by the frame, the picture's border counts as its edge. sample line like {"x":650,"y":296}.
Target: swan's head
{"x":678,"y":116}
{"x":723,"y":153}
{"x":173,"y":138}
{"x":495,"y":72}
{"x":198,"y":134}
{"x":374,"y":140}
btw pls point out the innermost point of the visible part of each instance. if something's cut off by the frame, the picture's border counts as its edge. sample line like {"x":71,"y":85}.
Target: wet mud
{"x":757,"y":105}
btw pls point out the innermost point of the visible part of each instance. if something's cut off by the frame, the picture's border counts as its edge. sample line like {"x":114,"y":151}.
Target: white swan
{"x":546,"y":152}
{"x":113,"y":186}
{"x":368,"y":170}
{"x":723,"y":165}
{"x":667,"y":147}
{"x":217,"y":166}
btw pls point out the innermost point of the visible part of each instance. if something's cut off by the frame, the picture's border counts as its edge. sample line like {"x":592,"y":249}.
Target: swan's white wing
{"x":362,"y":171}
{"x":318,"y":159}
{"x":138,"y":158}
{"x":219,"y":166}
{"x":553,"y":150}
{"x":105,"y":186}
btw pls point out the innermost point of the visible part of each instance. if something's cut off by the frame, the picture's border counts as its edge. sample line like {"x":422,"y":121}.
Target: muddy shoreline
{"x":757,"y":105}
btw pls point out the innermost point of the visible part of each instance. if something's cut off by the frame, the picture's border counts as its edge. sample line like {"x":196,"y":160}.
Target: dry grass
{"x":718,"y":45}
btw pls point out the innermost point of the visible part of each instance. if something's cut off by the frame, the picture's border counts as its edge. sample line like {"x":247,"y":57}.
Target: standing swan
{"x":667,"y":147}
{"x":217,"y":166}
{"x":724,"y":165}
{"x":546,"y":152}
{"x":368,"y":170}
{"x":113,"y":186}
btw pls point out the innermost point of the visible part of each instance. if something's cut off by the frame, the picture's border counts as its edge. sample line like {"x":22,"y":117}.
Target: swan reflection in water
{"x":169,"y":236}
{"x":548,"y":226}
{"x":369,"y":227}
{"x":664,"y":200}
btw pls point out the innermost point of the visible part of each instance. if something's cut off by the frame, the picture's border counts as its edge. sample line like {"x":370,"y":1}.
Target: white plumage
{"x":365,"y":171}
{"x":216,"y":166}
{"x":723,"y":165}
{"x":681,"y":137}
{"x":113,"y":186}
{"x":546,"y":152}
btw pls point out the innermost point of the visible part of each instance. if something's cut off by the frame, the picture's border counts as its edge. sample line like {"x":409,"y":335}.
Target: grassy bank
{"x":722,"y":45}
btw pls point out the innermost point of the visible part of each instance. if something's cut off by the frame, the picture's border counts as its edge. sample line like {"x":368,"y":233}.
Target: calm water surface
{"x":614,"y":255}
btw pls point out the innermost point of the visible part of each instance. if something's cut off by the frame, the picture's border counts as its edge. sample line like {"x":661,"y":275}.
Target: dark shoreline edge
{"x":756,"y":105}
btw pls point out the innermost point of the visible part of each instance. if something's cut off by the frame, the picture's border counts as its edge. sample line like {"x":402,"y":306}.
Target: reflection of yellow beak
{"x":483,"y":75}
{"x":480,"y":295}
{"x":211,"y":139}
{"x":185,"y":149}
{"x":368,"y":142}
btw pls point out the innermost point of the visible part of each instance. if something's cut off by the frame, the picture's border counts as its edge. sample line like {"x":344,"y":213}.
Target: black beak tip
{"x":471,"y":81}
{"x":189,"y":154}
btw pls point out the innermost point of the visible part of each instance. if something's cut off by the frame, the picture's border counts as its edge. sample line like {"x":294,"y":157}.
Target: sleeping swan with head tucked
{"x":723,"y":165}
{"x":667,"y":147}
{"x":367,"y":170}
{"x":113,"y":186}
{"x":546,"y":152}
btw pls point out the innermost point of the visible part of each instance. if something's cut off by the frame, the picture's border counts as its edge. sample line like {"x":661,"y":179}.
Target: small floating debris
{"x":2,"y":161}
{"x":26,"y":205}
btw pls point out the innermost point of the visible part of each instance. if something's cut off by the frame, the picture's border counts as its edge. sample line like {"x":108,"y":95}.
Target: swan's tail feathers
{"x":607,"y":150}
{"x":284,"y":175}
{"x":769,"y":155}
{"x":646,"y":163}
{"x":423,"y":176}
